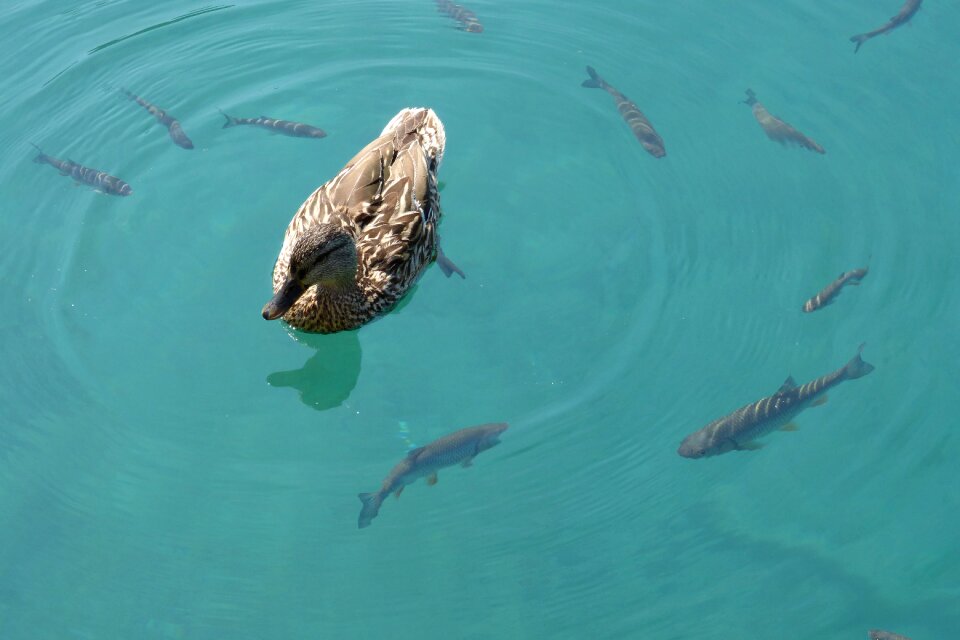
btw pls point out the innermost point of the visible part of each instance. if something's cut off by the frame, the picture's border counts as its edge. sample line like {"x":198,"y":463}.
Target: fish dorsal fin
{"x":413,"y":453}
{"x":788,"y":385}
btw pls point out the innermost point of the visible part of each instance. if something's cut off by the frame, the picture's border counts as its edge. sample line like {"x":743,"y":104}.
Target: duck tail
{"x":594,"y":81}
{"x":231,"y":121}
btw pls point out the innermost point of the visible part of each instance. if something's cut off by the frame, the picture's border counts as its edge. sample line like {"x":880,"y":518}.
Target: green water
{"x":173,"y":466}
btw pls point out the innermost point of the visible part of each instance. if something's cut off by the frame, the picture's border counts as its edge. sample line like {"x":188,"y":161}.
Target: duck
{"x":359,"y":242}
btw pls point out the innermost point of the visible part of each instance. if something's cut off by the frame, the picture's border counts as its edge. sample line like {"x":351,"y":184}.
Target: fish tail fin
{"x":857,"y":368}
{"x":860,"y":38}
{"x":595,"y":81}
{"x":371,"y":507}
{"x":447,"y":266}
{"x":231,"y":121}
{"x":40,"y":157}
{"x":751,"y":98}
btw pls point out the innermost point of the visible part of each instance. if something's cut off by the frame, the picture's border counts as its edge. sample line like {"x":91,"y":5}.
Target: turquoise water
{"x":173,"y":466}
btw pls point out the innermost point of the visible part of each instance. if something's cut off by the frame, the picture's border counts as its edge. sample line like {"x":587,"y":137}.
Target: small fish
{"x":740,"y":430}
{"x":907,"y":11}
{"x":638,"y":122}
{"x":468,"y":19}
{"x":173,"y":126}
{"x":876,"y":634}
{"x":777,"y":129}
{"x":832,"y":290}
{"x":459,"y":447}
{"x":285,"y":127}
{"x":99,"y":180}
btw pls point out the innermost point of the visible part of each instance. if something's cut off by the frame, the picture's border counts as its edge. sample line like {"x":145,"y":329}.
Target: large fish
{"x":777,"y":129}
{"x":459,"y":447}
{"x":907,"y":11}
{"x":99,"y":180}
{"x":468,"y":19}
{"x":741,"y":429}
{"x":285,"y":127}
{"x":164,"y":118}
{"x":638,"y":122}
{"x":876,"y":634}
{"x":832,"y":290}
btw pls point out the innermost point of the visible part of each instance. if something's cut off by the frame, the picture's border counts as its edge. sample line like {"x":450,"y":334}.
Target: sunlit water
{"x":173,"y":466}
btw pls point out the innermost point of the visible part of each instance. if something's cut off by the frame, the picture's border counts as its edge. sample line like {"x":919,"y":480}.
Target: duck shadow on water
{"x":328,"y":377}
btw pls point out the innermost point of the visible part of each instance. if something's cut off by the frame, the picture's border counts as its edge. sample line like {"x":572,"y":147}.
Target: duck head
{"x":324,"y":255}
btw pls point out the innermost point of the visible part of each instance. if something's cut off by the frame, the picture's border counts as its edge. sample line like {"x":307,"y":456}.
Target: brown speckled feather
{"x":386,"y":198}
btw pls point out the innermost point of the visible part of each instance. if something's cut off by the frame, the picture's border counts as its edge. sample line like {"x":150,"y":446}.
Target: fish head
{"x":125,"y":190}
{"x":323,"y":255}
{"x":654,"y":148}
{"x":491,"y":436}
{"x":698,"y":445}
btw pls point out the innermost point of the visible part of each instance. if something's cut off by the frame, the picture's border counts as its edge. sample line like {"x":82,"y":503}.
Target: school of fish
{"x":740,"y":430}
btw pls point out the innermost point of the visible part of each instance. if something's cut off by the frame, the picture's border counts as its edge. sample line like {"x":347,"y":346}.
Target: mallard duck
{"x":361,"y":240}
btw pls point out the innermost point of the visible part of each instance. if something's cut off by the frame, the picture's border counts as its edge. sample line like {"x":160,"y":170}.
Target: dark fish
{"x":777,"y":129}
{"x":740,"y":430}
{"x":460,"y":447}
{"x":173,"y":126}
{"x":832,"y":290}
{"x":876,"y":634}
{"x":99,"y":180}
{"x":285,"y":127}
{"x":639,"y":124}
{"x":907,"y":11}
{"x":468,"y":19}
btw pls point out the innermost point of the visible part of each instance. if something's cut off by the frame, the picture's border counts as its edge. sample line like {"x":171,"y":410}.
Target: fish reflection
{"x":740,"y":430}
{"x":99,"y":180}
{"x":468,"y":19}
{"x":631,"y":114}
{"x":328,"y":377}
{"x":777,"y":129}
{"x":907,"y":11}
{"x":832,"y":290}
{"x":283,"y":127}
{"x":459,"y":447}
{"x":173,"y":126}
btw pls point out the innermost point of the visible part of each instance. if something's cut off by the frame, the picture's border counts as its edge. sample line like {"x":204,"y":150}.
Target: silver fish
{"x":907,"y":11}
{"x":740,"y":430}
{"x":777,"y":129}
{"x":285,"y":127}
{"x":99,"y":180}
{"x":468,"y":19}
{"x":459,"y":447}
{"x":631,"y":114}
{"x":832,"y":290}
{"x":876,"y":634}
{"x":173,"y":126}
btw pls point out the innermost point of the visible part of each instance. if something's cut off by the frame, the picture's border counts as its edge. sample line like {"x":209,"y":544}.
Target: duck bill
{"x":281,"y":302}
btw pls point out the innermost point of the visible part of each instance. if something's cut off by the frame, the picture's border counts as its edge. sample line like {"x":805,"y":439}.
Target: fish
{"x":459,"y":447}
{"x":777,"y":129}
{"x":173,"y":126}
{"x":285,"y":127}
{"x":832,"y":290}
{"x":99,"y":180}
{"x":907,"y":11}
{"x":468,"y":19}
{"x":638,"y":122}
{"x":740,"y":430}
{"x":876,"y":634}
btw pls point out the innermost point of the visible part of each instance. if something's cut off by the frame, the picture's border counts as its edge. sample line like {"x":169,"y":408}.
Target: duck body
{"x":361,"y":240}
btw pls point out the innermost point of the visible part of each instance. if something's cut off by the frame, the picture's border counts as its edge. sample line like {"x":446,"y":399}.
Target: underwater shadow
{"x":328,"y":377}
